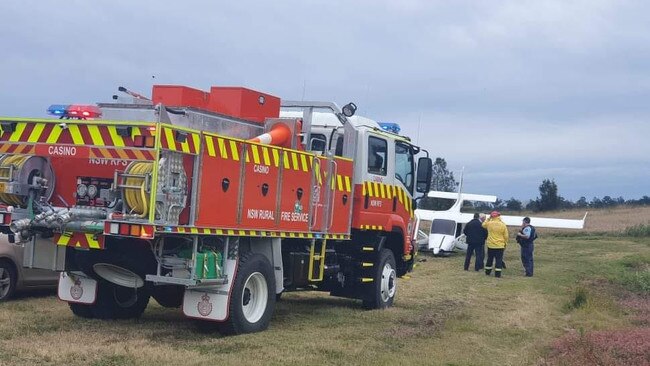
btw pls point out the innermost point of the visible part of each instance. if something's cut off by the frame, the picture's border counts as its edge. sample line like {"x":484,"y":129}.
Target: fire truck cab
{"x":216,"y":202}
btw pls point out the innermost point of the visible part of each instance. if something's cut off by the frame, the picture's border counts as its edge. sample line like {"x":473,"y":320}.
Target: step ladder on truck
{"x":216,"y":202}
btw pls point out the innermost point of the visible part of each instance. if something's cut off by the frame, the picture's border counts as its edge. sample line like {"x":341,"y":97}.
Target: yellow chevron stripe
{"x":399,"y":195}
{"x":92,"y":242}
{"x":303,"y":160}
{"x":64,"y":239}
{"x":76,"y":134}
{"x":169,"y":136}
{"x":185,"y":145}
{"x":276,"y":157}
{"x":209,"y":143}
{"x":194,"y":230}
{"x":54,"y":135}
{"x":286,"y":160}
{"x":118,"y":141}
{"x":383,"y":190}
{"x":256,"y":154}
{"x":265,"y":155}
{"x":375,"y":188}
{"x":294,"y":159}
{"x":95,"y":135}
{"x":36,"y":132}
{"x":138,"y":154}
{"x":197,"y":142}
{"x":15,"y":136}
{"x":122,"y":154}
{"x":223,"y":152}
{"x":339,"y":182}
{"x":348,"y":186}
{"x":233,"y":150}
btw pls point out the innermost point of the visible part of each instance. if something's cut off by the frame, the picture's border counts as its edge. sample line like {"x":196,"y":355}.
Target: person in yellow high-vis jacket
{"x":496,"y":243}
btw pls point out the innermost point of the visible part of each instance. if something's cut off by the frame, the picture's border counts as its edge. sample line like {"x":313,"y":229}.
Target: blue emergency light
{"x":78,"y":111}
{"x":390,"y":127}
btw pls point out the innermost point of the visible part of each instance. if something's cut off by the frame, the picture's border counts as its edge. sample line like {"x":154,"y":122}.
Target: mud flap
{"x":77,"y":289}
{"x":211,"y":303}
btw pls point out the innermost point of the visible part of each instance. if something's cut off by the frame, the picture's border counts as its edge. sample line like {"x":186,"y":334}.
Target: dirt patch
{"x":426,"y":323}
{"x":616,"y":347}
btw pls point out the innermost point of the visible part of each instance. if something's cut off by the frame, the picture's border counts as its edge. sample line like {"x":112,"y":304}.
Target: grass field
{"x":587,"y":304}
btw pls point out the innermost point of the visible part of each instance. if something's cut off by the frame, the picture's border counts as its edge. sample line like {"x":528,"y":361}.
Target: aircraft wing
{"x":429,"y":215}
{"x":545,"y":222}
{"x":463,"y":196}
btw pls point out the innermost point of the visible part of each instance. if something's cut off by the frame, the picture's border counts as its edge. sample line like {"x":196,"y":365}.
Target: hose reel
{"x":137,"y":183}
{"x":22,"y":174}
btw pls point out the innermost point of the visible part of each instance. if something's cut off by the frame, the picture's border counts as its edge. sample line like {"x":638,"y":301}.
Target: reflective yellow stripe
{"x":210,"y":145}
{"x":348,"y":187}
{"x":20,"y":128}
{"x":256,"y":154}
{"x":92,"y":242}
{"x":169,"y":136}
{"x":138,"y":154}
{"x":303,"y":160}
{"x":36,"y":132}
{"x":276,"y":157}
{"x":64,"y":239}
{"x":294,"y":159}
{"x":265,"y":154}
{"x":185,"y":145}
{"x":286,"y":160}
{"x":223,"y":152}
{"x":54,"y":135}
{"x":95,"y":135}
{"x":233,"y":150}
{"x":383,"y":190}
{"x":339,"y":182}
{"x":117,"y":139}
{"x":197,"y":142}
{"x":363,"y":189}
{"x":76,"y":134}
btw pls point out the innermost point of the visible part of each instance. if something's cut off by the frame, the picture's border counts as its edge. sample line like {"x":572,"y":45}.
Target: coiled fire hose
{"x":136,"y":198}
{"x":17,"y":161}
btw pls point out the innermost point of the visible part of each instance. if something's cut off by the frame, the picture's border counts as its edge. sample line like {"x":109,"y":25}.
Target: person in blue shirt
{"x":526,"y":239}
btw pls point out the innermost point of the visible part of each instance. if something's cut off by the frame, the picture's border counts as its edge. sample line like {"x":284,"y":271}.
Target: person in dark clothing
{"x":476,"y":235}
{"x":526,"y":239}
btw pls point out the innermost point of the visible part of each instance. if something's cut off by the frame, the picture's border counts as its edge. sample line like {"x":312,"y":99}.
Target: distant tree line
{"x":549,"y":199}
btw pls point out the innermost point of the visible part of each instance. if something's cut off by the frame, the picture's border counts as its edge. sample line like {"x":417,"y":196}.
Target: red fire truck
{"x":215,"y":202}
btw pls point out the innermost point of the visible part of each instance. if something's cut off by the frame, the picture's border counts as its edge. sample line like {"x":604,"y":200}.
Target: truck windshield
{"x":404,"y":165}
{"x":445,"y":227}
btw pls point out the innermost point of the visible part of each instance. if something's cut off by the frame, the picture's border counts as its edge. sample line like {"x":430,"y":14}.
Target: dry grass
{"x":442,"y":316}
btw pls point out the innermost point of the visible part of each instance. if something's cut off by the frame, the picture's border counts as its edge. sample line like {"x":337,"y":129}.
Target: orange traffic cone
{"x":280,"y":135}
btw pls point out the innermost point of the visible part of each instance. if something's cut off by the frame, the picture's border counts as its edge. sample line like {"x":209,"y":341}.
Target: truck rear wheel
{"x":381,"y":293}
{"x":253,"y":297}
{"x":118,"y":302}
{"x":81,"y":310}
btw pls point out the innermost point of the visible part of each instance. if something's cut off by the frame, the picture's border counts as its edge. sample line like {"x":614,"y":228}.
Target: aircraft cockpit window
{"x":445,"y":227}
{"x":377,"y":149}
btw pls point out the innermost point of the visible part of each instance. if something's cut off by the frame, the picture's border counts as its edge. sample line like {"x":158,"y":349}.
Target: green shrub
{"x":638,"y":231}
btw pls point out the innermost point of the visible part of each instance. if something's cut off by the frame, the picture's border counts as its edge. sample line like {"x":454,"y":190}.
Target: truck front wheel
{"x":253,"y":299}
{"x":381,"y":291}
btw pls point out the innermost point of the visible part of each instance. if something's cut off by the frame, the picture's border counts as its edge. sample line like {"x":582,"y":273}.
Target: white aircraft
{"x":446,"y":231}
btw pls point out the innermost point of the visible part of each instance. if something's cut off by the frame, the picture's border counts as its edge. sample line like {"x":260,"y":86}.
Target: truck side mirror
{"x":425,"y":169}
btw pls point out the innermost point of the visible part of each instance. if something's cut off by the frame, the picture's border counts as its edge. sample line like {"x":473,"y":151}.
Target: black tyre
{"x":8,"y":280}
{"x":169,"y":296}
{"x":118,"y":302}
{"x":81,"y":310}
{"x":253,"y":297}
{"x":382,"y":290}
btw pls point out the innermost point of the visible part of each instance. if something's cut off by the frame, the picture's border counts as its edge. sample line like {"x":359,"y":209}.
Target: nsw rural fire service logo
{"x":204,"y":306}
{"x":76,"y":291}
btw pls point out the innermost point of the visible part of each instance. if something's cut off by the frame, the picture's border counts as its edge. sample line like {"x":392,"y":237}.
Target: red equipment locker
{"x":243,"y":103}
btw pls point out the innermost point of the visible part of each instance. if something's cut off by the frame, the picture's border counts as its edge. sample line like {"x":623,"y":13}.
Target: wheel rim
{"x":388,"y":276}
{"x":254,"y":297}
{"x":5,"y":282}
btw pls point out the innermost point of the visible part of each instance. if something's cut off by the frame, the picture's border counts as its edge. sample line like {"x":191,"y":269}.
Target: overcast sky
{"x":514,"y":91}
